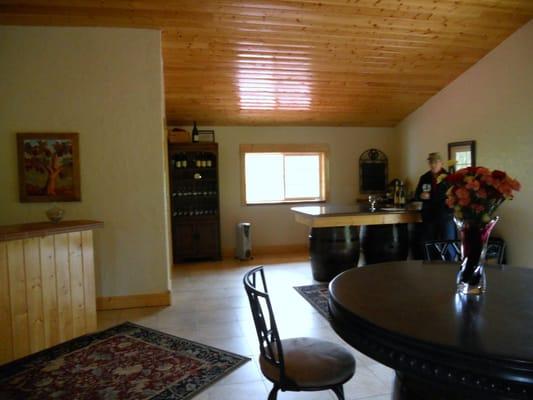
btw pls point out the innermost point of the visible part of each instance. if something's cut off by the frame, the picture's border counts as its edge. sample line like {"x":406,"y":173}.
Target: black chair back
{"x":450,"y":250}
{"x":442,"y":250}
{"x":265,"y":324}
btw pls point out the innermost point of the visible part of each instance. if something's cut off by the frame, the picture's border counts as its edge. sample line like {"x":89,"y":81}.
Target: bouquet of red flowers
{"x":476,"y":192}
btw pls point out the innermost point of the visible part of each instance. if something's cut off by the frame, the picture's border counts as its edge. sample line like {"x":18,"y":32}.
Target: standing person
{"x":437,"y":217}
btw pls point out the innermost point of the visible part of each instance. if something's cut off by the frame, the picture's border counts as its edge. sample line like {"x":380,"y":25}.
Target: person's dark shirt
{"x":435,"y":207}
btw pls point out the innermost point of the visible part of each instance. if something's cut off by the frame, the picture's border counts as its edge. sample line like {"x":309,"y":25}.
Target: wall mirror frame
{"x":464,"y":153}
{"x":373,"y":172}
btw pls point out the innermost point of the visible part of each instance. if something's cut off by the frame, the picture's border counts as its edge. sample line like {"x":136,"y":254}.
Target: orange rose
{"x":483,"y":171}
{"x":473,"y":185}
{"x":515,"y":185}
{"x":464,"y":202}
{"x":462,"y":193}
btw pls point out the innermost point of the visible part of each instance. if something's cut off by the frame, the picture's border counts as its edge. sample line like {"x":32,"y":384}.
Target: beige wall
{"x":492,"y":104}
{"x":105,"y":84}
{"x":274,"y":225}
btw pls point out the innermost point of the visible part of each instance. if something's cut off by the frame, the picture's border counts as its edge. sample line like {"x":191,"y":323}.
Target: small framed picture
{"x":206,"y":136}
{"x":49,"y":167}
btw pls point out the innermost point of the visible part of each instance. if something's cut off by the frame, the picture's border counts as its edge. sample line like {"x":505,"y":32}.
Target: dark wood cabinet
{"x":194,"y":192}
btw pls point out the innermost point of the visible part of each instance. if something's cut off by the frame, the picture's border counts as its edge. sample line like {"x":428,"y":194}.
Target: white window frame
{"x":288,"y":149}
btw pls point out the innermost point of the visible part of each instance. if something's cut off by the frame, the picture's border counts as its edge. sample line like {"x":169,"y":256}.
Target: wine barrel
{"x":383,"y":243}
{"x":333,"y":250}
{"x":417,"y":241}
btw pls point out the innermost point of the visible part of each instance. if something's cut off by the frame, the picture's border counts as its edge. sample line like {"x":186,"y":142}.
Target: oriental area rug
{"x":127,"y":361}
{"x":317,"y":295}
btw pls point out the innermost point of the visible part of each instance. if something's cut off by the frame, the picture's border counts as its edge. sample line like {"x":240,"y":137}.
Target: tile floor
{"x":210,"y":306}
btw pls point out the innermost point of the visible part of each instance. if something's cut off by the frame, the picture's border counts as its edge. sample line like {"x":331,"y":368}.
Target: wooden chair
{"x":450,"y":250}
{"x":296,"y":364}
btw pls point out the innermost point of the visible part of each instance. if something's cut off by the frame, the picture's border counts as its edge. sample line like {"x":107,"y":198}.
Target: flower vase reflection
{"x":468,"y":313}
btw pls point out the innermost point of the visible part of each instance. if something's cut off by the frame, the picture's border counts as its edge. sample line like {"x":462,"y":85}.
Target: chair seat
{"x":311,"y":363}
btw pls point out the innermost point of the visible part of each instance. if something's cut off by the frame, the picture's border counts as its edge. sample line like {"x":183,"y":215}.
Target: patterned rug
{"x":317,"y":295}
{"x":127,"y":361}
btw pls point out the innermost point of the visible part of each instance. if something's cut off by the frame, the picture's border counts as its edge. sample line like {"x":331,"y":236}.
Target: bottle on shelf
{"x":402,"y":195}
{"x":195,"y":136}
{"x":180,"y":160}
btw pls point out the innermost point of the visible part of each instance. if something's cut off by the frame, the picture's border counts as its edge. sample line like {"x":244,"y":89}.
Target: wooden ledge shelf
{"x":40,"y":229}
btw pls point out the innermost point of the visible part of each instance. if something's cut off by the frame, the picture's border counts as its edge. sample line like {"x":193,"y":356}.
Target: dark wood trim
{"x":184,"y":147}
{"x":39,"y":229}
{"x":471,"y":143}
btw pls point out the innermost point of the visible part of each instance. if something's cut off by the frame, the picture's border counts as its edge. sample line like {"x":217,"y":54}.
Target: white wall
{"x":492,"y":104}
{"x":105,"y":84}
{"x":274,"y":225}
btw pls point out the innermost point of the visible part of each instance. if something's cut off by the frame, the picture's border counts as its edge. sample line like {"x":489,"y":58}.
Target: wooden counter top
{"x":356,"y":215}
{"x":39,"y":229}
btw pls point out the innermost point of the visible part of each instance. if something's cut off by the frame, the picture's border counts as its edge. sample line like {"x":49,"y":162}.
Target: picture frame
{"x":463,"y":154}
{"x":206,"y":136}
{"x":48,"y":167}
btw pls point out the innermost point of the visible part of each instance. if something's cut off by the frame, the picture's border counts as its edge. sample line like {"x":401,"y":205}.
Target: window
{"x":284,"y":173}
{"x":463,"y":153}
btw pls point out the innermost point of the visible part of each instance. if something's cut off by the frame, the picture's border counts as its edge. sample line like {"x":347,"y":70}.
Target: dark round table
{"x":407,"y":316}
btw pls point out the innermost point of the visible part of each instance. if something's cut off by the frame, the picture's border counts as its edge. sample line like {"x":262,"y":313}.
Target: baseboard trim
{"x":286,"y":249}
{"x":134,"y":301}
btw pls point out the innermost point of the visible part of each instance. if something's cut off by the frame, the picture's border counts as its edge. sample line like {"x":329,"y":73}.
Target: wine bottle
{"x":195,"y":137}
{"x":402,"y":195}
{"x":396,"y":194}
{"x":184,"y":161}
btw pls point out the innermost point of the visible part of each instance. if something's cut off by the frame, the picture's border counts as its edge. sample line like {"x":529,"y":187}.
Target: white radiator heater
{"x":243,"y":242}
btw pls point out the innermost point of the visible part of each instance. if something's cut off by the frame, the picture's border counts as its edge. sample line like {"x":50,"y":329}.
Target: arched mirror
{"x":373,"y":172}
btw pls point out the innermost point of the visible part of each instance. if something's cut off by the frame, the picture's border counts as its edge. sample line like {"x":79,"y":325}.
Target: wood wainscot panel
{"x":6,"y":337}
{"x":47,"y":291}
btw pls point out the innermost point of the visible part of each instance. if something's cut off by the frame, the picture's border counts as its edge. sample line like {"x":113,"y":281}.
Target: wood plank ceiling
{"x":298,"y":62}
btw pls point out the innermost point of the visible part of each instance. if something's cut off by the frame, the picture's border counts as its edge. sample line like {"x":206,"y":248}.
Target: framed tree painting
{"x":49,"y":167}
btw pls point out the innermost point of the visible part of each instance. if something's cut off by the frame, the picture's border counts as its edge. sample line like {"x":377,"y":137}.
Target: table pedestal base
{"x":409,"y":387}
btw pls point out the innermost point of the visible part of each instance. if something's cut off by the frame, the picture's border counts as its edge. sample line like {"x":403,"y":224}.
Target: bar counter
{"x":345,"y":236}
{"x":354,"y":215}
{"x":47,"y":292}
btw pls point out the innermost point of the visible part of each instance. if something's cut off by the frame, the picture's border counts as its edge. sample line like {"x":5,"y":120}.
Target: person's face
{"x":435,"y":166}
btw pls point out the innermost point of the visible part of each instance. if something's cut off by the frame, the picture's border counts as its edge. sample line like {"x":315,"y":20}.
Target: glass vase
{"x":474,"y":235}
